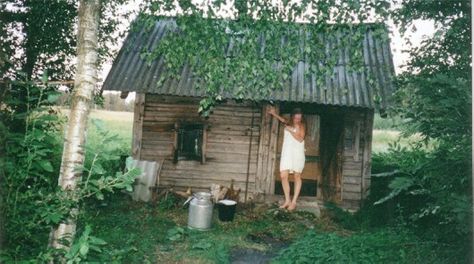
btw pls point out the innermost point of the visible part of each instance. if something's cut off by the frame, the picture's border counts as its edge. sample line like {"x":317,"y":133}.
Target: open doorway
{"x":331,"y":149}
{"x":312,"y":172}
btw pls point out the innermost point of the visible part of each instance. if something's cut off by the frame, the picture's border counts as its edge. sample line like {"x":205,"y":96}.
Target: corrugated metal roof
{"x":130,"y":72}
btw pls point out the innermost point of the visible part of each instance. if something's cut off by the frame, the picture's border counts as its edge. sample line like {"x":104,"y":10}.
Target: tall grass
{"x":387,"y":123}
{"x":119,"y":123}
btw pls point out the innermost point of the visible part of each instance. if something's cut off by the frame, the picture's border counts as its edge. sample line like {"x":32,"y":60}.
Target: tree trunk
{"x":85,"y":80}
{"x":2,"y":178}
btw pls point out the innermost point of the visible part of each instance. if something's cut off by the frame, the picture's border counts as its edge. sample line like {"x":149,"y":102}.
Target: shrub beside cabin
{"x":240,"y":141}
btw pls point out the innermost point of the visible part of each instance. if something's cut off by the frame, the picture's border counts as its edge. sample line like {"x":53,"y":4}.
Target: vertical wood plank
{"x":139,"y":110}
{"x":204,"y":144}
{"x":175,"y":142}
{"x":272,"y":153}
{"x":367,"y":155}
{"x":356,"y":140}
{"x":266,"y":152}
{"x":261,"y":151}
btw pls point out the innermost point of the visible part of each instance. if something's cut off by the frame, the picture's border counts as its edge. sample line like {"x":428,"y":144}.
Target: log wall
{"x":356,"y":157}
{"x":230,"y":137}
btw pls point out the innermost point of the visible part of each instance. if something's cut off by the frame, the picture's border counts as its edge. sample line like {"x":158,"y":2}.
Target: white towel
{"x":292,"y":154}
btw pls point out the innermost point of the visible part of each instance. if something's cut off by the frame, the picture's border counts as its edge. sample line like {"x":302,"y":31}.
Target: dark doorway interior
{"x":308,"y":188}
{"x":331,"y":143}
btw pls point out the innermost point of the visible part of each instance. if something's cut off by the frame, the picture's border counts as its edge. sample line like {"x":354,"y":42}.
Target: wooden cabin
{"x":239,"y":141}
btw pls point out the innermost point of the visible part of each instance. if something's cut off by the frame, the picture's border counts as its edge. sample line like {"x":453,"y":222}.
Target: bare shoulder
{"x":302,"y":128}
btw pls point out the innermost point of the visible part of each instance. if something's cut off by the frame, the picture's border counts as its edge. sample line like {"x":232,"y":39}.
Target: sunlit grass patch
{"x":118,"y":123}
{"x":381,"y":140}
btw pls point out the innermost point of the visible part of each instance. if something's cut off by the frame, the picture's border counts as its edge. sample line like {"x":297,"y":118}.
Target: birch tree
{"x":75,"y":136}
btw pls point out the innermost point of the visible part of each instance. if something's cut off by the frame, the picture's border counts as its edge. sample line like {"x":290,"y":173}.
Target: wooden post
{"x":139,"y":111}
{"x":204,"y":144}
{"x":367,"y":155}
{"x":356,"y":139}
{"x":262,"y":151}
{"x":249,"y":158}
{"x":264,"y":183}
{"x":272,"y":153}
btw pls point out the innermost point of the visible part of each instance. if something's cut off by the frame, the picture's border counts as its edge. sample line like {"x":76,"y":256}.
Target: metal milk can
{"x":200,"y":211}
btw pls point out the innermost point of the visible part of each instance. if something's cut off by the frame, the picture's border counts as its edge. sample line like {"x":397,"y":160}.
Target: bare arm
{"x":298,"y":134}
{"x":272,"y":112}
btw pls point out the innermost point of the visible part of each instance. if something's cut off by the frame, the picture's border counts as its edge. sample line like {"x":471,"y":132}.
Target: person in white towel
{"x":292,"y":154}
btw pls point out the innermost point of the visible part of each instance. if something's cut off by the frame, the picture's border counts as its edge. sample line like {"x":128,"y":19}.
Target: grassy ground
{"x":157,"y":233}
{"x":119,"y":123}
{"x":382,"y":138}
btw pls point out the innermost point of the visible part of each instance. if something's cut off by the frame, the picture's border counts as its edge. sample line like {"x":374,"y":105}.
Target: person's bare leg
{"x":286,"y":188}
{"x":297,"y":183}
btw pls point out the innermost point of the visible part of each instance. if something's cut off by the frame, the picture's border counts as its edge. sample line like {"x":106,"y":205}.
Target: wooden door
{"x":331,"y":147}
{"x":312,"y":172}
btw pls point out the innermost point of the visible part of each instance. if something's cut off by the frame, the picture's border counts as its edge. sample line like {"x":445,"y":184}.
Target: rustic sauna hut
{"x":239,"y":141}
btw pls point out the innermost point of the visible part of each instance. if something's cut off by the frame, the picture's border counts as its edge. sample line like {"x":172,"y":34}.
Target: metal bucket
{"x":200,"y":211}
{"x":226,"y":209}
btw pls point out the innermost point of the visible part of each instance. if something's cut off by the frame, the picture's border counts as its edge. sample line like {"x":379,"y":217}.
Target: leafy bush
{"x":383,"y":246}
{"x":32,"y":160}
{"x":33,"y":203}
{"x":426,"y":191}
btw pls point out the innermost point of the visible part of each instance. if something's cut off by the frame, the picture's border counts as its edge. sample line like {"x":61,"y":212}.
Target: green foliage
{"x":142,"y":233}
{"x":249,"y":70}
{"x":134,"y":235}
{"x":32,"y":160}
{"x":384,"y":246}
{"x":40,"y":36}
{"x":422,"y":191}
{"x":432,"y":188}
{"x":33,"y":204}
{"x":434,"y":92}
{"x":342,"y":217}
{"x":84,"y":246}
{"x":169,"y":202}
{"x":436,"y":106}
{"x":175,"y":234}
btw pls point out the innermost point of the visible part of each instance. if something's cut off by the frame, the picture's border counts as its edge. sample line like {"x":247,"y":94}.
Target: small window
{"x":189,"y":142}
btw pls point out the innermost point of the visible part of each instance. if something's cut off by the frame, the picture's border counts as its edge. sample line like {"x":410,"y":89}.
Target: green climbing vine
{"x":247,"y":49}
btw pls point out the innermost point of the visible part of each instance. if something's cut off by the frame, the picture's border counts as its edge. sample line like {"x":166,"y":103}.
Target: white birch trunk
{"x":75,"y":135}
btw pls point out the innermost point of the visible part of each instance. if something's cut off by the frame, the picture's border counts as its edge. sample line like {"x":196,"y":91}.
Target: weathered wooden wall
{"x":138,"y":114}
{"x":356,"y":157}
{"x":267,"y":152}
{"x":227,"y":145}
{"x":230,"y":135}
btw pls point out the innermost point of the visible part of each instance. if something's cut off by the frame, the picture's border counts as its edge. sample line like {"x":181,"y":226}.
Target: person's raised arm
{"x":272,"y":112}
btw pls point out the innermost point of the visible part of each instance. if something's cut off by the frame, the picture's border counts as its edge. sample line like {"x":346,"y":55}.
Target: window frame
{"x":179,"y":129}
